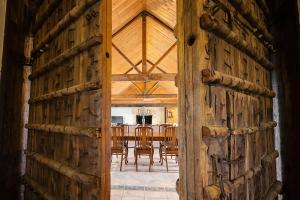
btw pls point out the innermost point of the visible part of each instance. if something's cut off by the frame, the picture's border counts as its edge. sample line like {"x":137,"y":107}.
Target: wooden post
{"x":144,"y":43}
{"x":105,"y":77}
{"x":191,"y":60}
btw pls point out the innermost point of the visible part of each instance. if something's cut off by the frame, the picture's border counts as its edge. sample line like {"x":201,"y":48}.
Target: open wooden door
{"x":226,"y":135}
{"x":68,"y":149}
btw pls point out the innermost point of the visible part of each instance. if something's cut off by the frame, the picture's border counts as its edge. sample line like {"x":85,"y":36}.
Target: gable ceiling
{"x":158,"y":47}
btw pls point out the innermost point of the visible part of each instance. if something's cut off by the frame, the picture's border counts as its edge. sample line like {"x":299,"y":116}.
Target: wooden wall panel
{"x":66,"y":149}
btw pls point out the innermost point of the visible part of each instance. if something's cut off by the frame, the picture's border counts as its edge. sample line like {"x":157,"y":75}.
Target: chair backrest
{"x":162,"y":128}
{"x":117,"y":136}
{"x":170,"y":136}
{"x":143,"y":137}
{"x":126,"y":129}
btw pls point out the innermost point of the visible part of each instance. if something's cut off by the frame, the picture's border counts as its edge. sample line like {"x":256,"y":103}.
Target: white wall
{"x":129,"y":114}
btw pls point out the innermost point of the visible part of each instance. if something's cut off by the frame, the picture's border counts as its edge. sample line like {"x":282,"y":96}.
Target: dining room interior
{"x":149,"y":99}
{"x":144,"y":113}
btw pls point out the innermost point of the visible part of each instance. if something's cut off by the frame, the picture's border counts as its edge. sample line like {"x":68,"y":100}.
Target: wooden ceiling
{"x":144,"y":53}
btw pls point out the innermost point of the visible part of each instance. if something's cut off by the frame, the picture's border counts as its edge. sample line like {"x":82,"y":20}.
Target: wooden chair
{"x":170,"y":145}
{"x":143,"y":144}
{"x":118,"y":145}
{"x":161,"y":129}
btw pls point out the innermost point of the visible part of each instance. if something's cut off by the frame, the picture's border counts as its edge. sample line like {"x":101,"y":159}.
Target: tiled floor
{"x":131,"y":185}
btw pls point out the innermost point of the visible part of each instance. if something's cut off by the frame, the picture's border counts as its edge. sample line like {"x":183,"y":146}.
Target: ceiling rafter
{"x":162,"y":57}
{"x":157,"y":67}
{"x":144,"y":43}
{"x":154,"y":85}
{"x":138,"y":104}
{"x":129,"y":70}
{"x":154,"y":89}
{"x":144,"y":74}
{"x":144,"y":77}
{"x":126,"y":58}
{"x":145,"y":96}
{"x":138,"y":88}
{"x":136,"y":65}
{"x":157,"y":19}
{"x":147,"y":13}
{"x":127,"y":24}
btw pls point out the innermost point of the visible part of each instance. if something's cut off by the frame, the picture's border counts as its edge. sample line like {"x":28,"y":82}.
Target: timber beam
{"x":146,"y":13}
{"x":145,"y":96}
{"x":126,"y":25}
{"x":67,"y":130}
{"x":69,"y":18}
{"x":235,"y":83}
{"x":62,"y":168}
{"x":214,"y":191}
{"x":144,"y":43}
{"x":36,"y":187}
{"x":171,"y":29}
{"x":245,"y":11}
{"x":274,"y":190}
{"x":143,"y":77}
{"x":264,"y":7}
{"x":212,"y":25}
{"x":240,"y":20}
{"x":43,"y":16}
{"x":219,"y":131}
{"x":162,"y":57}
{"x":55,"y":62}
{"x":147,"y":104}
{"x":126,"y":58}
{"x":66,"y":92}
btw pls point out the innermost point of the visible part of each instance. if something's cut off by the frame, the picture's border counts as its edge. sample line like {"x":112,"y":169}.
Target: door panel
{"x":67,"y":149}
{"x":225,"y":88}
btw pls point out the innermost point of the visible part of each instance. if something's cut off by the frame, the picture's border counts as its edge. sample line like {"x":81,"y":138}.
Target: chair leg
{"x":136,"y":162}
{"x":166,"y":158}
{"x":150,"y":158}
{"x":121,"y":161}
{"x":160,"y":155}
{"x":134,"y":156}
{"x":126,"y":155}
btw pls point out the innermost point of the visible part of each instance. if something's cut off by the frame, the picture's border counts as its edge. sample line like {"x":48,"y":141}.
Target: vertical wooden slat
{"x":191,"y":56}
{"x":106,"y":102}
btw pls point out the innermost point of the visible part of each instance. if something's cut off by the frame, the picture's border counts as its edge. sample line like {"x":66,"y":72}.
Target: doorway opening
{"x":144,"y":113}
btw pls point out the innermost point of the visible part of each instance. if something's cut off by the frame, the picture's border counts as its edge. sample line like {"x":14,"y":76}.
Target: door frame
{"x":190,"y":40}
{"x":105,"y":77}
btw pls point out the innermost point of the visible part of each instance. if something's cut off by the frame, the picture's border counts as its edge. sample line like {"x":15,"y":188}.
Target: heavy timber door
{"x":226,"y":131}
{"x":68,"y":153}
